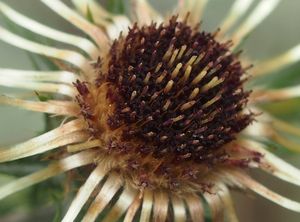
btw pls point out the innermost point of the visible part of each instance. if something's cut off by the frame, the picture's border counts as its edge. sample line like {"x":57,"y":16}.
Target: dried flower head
{"x":160,"y":116}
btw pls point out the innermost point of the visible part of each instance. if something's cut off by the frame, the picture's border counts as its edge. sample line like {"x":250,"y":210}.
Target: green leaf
{"x":116,"y":6}
{"x":89,"y":15}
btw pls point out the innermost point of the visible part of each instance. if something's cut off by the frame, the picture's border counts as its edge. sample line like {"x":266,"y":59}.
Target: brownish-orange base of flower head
{"x":167,"y":100}
{"x":164,"y":117}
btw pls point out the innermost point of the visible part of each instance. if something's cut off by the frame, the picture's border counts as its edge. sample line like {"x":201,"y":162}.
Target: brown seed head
{"x":168,"y":98}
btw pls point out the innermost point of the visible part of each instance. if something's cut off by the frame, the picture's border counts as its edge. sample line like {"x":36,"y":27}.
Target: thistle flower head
{"x":159,"y":111}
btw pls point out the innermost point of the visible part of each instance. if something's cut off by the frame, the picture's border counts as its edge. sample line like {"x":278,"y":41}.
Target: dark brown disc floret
{"x":172,"y":91}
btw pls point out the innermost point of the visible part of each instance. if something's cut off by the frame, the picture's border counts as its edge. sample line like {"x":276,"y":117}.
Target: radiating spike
{"x":96,"y":9}
{"x":133,"y":209}
{"x":226,"y":199}
{"x":63,"y":165}
{"x":273,"y":164}
{"x":146,"y":206}
{"x":238,"y":9}
{"x":178,"y":209}
{"x":107,"y":192}
{"x":84,"y":146}
{"x":84,"y":193}
{"x":74,"y":58}
{"x":120,"y":207}
{"x":62,"y":108}
{"x":215,"y":205}
{"x":39,"y":86}
{"x":40,"y":76}
{"x":275,"y":95}
{"x":195,"y":208}
{"x":145,"y":13}
{"x":194,"y":7}
{"x":58,"y":137}
{"x":160,"y":208}
{"x":285,"y":127}
{"x":248,"y":182}
{"x":114,"y":24}
{"x":278,"y":62}
{"x":48,"y":32}
{"x":262,"y":10}
{"x":74,"y":18}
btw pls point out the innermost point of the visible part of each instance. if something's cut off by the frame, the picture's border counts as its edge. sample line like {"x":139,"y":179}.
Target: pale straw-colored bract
{"x":150,"y":205}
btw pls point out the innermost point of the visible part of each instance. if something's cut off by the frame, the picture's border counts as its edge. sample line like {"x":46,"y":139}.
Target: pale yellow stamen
{"x":176,"y":71}
{"x":187,"y":105}
{"x":194,"y":93}
{"x":201,"y":75}
{"x":167,"y":104}
{"x":211,"y":84}
{"x":186,"y":75}
{"x":173,"y":57}
{"x":181,"y":52}
{"x":169,"y":86}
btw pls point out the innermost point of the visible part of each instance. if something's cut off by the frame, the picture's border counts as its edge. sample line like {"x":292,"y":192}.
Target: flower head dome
{"x":160,"y":119}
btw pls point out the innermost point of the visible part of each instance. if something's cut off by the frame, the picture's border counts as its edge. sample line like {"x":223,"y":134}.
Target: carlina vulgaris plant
{"x":160,"y":119}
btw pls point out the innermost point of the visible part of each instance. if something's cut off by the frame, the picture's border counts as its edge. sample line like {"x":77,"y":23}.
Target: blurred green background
{"x":278,"y":32}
